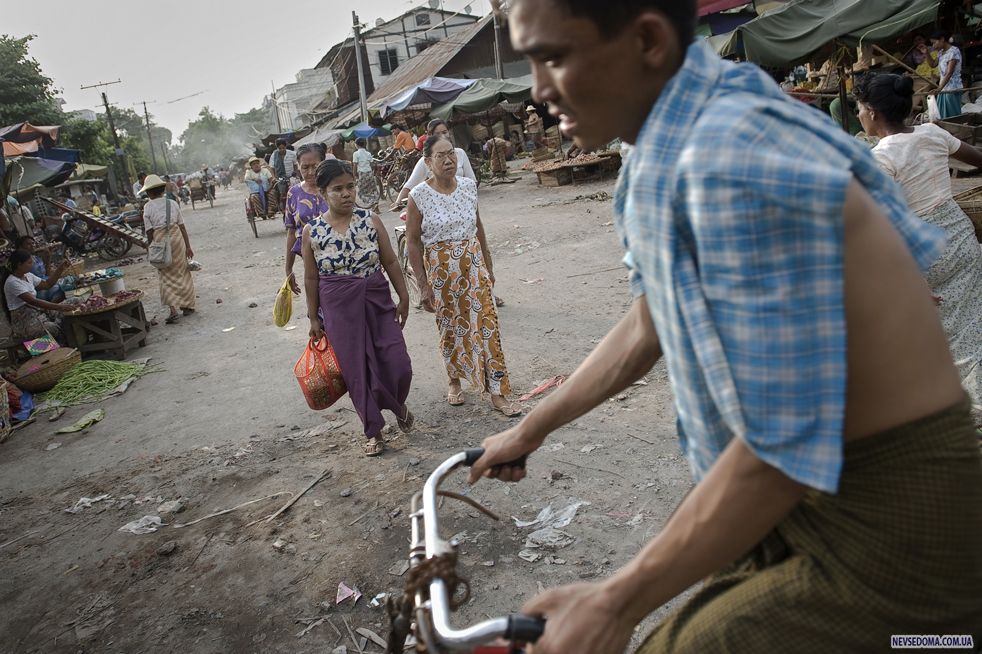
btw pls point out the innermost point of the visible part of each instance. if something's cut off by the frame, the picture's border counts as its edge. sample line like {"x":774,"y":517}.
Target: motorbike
{"x":81,"y":239}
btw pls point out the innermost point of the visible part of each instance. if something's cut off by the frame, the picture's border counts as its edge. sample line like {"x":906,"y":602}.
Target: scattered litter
{"x":554,"y":447}
{"x":399,"y":568}
{"x":635,"y":521}
{"x":228,"y":329}
{"x":378,"y":600}
{"x":586,"y":449}
{"x":341,"y":649}
{"x":174,"y":506}
{"x":550,"y":560}
{"x":553,"y":382}
{"x":488,"y":564}
{"x":59,"y":412}
{"x":549,"y":518}
{"x":234,"y":508}
{"x":465,"y":537}
{"x":344,"y":593}
{"x":167,"y":548}
{"x":289,"y":328}
{"x":346,"y":492}
{"x":529,"y":555}
{"x":549,"y":537}
{"x":145,"y":525}
{"x":52,"y":446}
{"x":372,"y":636}
{"x":84,"y":422}
{"x":279,"y":544}
{"x":253,"y":305}
{"x":538,"y":280}
{"x":640,"y":382}
{"x":414,"y":462}
{"x":318,"y":503}
{"x":86,"y":503}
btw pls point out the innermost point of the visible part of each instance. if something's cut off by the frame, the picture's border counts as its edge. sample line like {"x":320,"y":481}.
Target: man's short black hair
{"x":280,"y":142}
{"x":612,"y":16}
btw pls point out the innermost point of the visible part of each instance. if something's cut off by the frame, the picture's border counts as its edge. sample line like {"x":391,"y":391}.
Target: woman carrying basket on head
{"x":349,"y":302}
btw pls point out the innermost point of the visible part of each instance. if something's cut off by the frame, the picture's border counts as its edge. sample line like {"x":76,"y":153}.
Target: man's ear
{"x":656,"y":40}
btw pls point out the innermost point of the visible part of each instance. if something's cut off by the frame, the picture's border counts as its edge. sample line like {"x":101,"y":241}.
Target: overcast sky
{"x":229,"y":50}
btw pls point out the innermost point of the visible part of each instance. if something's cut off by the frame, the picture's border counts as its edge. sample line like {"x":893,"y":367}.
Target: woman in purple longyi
{"x":349,"y":301}
{"x":303,"y":202}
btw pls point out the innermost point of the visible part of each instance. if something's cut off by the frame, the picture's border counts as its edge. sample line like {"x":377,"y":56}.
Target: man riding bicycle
{"x":838,"y":495}
{"x":284,"y":165}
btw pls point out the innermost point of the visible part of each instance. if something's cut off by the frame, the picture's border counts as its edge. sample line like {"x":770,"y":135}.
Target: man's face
{"x":593,"y":83}
{"x":256,"y":166}
{"x":281,"y":148}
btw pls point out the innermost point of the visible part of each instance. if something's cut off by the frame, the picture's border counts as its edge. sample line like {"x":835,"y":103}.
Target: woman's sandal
{"x":187,"y":312}
{"x":406,"y":424}
{"x":170,"y":320}
{"x":373,"y":447}
{"x":456,"y":399}
{"x":509,"y":409}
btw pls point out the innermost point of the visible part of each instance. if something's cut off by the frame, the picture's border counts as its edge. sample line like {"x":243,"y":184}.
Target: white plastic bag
{"x":933,"y":113}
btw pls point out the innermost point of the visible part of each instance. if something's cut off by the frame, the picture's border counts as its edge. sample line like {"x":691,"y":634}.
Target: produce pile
{"x":91,"y":381}
{"x":584,"y":159}
{"x":98,"y":302}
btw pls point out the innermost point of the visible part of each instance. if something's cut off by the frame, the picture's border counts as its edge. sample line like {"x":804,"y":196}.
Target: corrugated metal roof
{"x":427,"y":63}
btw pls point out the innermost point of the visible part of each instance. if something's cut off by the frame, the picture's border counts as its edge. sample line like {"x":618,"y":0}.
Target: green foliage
{"x":91,"y":137}
{"x":25,"y":93}
{"x":215,"y":140}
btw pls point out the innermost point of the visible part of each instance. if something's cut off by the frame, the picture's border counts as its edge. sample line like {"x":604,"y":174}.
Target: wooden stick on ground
{"x":352,"y":634}
{"x":234,"y":508}
{"x":324,"y":475}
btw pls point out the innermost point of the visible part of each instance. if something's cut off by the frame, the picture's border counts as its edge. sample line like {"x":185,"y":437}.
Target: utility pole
{"x":124,"y":175}
{"x":361,"y":74}
{"x":499,"y":70}
{"x":153,"y":154}
{"x":276,"y":108}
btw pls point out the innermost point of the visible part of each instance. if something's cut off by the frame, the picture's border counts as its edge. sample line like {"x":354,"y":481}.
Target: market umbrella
{"x":365,"y":131}
{"x":434,"y":90}
{"x":484,"y":94}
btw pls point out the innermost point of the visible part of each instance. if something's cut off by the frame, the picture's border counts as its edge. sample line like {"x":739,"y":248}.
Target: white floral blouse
{"x":450,"y":217}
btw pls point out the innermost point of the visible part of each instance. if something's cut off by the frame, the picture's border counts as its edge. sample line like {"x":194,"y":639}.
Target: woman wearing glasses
{"x":457,"y":279}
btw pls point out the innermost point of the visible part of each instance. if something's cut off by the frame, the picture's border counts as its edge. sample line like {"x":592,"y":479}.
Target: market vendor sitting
{"x":259,"y":179}
{"x":30,"y":317}
{"x":39,"y":268}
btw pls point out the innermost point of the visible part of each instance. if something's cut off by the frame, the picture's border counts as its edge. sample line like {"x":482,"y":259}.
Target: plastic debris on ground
{"x":379,"y":600}
{"x":86,"y":503}
{"x":549,"y":518}
{"x":84,"y":422}
{"x":145,"y":525}
{"x":344,"y":592}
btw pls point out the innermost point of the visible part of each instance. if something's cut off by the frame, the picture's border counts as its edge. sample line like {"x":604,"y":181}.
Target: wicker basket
{"x":971,"y":204}
{"x":43,"y":372}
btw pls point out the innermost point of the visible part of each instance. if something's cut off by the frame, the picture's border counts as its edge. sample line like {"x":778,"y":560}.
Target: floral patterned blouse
{"x":301,"y":207}
{"x":354,"y":252}
{"x":450,"y":217}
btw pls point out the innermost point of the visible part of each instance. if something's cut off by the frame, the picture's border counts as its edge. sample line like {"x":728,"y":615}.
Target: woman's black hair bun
{"x":903,"y":86}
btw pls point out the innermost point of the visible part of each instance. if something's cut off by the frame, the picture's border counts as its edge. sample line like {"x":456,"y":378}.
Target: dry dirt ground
{"x":224,"y":423}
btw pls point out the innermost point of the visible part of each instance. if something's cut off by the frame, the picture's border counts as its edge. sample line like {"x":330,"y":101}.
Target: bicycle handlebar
{"x":515,"y":627}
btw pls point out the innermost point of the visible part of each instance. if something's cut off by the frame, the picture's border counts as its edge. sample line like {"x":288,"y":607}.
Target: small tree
{"x":26,"y":94}
{"x":91,"y":137}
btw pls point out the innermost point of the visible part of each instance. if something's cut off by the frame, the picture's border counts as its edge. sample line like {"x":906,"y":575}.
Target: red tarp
{"x":707,"y":7}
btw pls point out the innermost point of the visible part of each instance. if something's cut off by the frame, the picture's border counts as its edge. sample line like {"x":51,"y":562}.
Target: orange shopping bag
{"x":319,"y":374}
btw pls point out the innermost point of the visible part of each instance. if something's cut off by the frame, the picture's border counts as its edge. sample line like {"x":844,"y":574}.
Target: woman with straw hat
{"x":163,"y":221}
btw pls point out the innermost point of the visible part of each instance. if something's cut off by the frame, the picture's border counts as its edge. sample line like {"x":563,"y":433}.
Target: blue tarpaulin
{"x":365,"y":131}
{"x":435,"y":90}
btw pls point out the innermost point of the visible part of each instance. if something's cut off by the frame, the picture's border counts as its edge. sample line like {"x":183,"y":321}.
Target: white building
{"x":392,"y":43}
{"x":83,"y":114}
{"x":295,"y":100}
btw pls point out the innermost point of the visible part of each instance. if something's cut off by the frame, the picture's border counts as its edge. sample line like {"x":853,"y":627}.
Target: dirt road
{"x":225,"y":423}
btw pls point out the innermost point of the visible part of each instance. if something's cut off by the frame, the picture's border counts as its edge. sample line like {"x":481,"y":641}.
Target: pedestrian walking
{"x":457,"y":278}
{"x":348,"y":299}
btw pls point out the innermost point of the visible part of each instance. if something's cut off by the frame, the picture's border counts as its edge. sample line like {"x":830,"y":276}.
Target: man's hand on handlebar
{"x":504,"y":456}
{"x":580,"y":618}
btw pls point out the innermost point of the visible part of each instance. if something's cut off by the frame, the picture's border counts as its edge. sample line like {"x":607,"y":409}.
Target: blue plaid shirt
{"x":730,"y":207}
